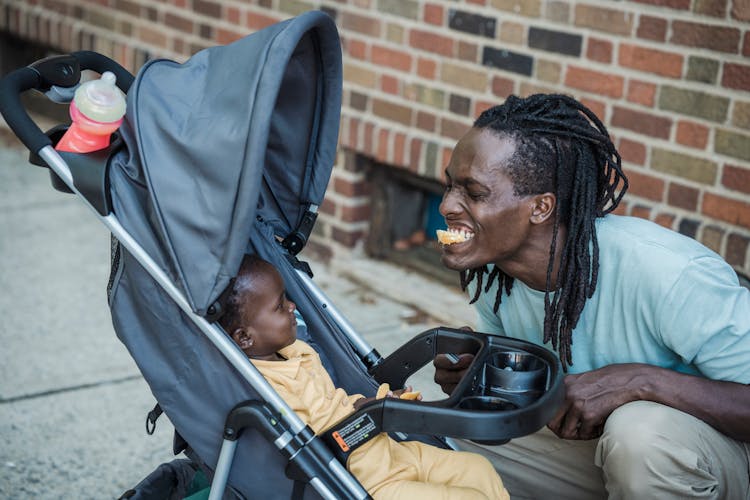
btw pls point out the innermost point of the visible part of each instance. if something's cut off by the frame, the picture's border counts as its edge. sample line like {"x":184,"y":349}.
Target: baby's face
{"x":270,"y":314}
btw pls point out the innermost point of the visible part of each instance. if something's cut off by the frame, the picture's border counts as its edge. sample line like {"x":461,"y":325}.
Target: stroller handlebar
{"x":61,"y":71}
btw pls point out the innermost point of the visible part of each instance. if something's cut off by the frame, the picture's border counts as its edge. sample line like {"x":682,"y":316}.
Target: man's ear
{"x":243,"y":338}
{"x":543,"y":207}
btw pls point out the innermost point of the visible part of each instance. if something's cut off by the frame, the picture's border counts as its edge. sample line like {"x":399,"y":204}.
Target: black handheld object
{"x":511,"y":389}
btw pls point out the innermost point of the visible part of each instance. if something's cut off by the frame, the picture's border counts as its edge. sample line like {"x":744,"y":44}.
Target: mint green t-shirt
{"x":661,"y":298}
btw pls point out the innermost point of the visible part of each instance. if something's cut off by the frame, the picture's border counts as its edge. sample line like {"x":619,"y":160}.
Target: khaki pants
{"x":647,"y":451}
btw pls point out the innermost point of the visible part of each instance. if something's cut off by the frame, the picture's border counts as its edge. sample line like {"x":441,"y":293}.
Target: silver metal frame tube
{"x":324,"y":303}
{"x":223,"y":466}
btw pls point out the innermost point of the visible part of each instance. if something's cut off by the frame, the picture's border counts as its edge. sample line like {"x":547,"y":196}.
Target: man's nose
{"x":448,"y":204}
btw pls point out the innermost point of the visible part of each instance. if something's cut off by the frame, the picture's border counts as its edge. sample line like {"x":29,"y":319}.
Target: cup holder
{"x":486,"y":403}
{"x":515,"y":371}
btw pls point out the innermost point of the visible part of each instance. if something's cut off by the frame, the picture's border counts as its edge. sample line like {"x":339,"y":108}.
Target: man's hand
{"x":448,"y":373}
{"x":590,"y":398}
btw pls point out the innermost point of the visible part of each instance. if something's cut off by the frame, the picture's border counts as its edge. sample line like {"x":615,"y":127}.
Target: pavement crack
{"x":62,"y":390}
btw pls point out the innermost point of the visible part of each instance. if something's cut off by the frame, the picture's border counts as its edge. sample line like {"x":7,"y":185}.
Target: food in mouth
{"x":452,"y":236}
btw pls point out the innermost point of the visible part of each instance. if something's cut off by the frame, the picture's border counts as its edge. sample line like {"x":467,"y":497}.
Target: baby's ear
{"x":242,"y":338}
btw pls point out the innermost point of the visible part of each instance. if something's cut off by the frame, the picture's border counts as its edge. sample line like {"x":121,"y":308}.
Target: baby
{"x":261,"y":320}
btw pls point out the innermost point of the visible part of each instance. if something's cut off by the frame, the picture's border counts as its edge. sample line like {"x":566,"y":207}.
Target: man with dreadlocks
{"x":652,"y":328}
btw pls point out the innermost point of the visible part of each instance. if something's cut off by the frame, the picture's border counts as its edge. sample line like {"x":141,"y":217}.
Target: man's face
{"x":479,"y":200}
{"x":268,"y":317}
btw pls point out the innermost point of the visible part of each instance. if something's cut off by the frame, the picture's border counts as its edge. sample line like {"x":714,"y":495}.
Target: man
{"x":652,"y":328}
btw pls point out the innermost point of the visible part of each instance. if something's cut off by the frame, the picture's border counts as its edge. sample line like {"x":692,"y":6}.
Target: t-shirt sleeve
{"x":705,"y":319}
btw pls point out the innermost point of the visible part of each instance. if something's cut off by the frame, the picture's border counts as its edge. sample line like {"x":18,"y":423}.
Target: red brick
{"x":644,"y":185}
{"x":356,"y":48}
{"x":453,"y":128}
{"x":212,"y":9}
{"x":389,"y":84}
{"x":357,"y":213}
{"x":467,"y":51}
{"x":256,"y":21}
{"x":415,"y":154}
{"x":654,"y":61}
{"x":369,"y":135}
{"x":642,"y":93}
{"x":346,"y":237}
{"x":746,"y":45}
{"x":399,"y":149}
{"x":477,"y":2}
{"x":353,"y":133}
{"x":672,"y":4}
{"x":741,"y":10}
{"x":426,"y":121}
{"x":665,"y":220}
{"x":652,"y":28}
{"x":736,"y":178}
{"x":641,"y":211}
{"x":225,"y":36}
{"x":426,"y":68}
{"x":594,"y":81}
{"x":736,"y":76}
{"x":434,"y":14}
{"x":179,"y":22}
{"x":596,"y":107}
{"x":350,"y":188}
{"x":431,"y":42}
{"x":692,"y":134}
{"x":737,"y":249}
{"x":233,"y":15}
{"x":328,"y":206}
{"x":361,"y":24}
{"x":392,"y":111}
{"x":632,"y":151}
{"x":719,"y":38}
{"x":502,"y":87}
{"x":733,"y":211}
{"x":713,"y":8}
{"x":599,"y":50}
{"x":383,"y":139}
{"x":395,"y":59}
{"x":682,"y":196}
{"x":622,"y":208}
{"x":643,"y":123}
{"x":481,"y":106}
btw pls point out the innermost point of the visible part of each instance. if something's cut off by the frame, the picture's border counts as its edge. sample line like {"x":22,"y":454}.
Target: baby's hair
{"x":561,"y":147}
{"x":250,"y":267}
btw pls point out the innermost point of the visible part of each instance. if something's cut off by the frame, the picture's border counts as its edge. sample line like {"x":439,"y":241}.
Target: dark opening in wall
{"x":404,"y":219}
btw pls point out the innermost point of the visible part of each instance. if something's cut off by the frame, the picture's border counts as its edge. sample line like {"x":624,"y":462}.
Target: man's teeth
{"x":461,"y":233}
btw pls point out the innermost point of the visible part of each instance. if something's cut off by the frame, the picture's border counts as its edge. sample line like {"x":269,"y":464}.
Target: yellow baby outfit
{"x":386,"y":468}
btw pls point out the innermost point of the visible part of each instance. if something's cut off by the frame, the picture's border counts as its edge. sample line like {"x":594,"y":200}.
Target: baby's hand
{"x":408,"y":393}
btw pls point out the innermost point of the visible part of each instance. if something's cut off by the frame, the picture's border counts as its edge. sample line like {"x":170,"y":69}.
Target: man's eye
{"x":477,"y":196}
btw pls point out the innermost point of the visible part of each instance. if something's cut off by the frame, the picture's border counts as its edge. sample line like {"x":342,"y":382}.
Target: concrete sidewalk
{"x":72,"y":402}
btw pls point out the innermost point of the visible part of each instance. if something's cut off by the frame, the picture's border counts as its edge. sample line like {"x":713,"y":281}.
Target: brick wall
{"x":670,"y":78}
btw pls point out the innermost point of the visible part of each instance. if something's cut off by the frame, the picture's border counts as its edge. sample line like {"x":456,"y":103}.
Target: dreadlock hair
{"x":561,"y":147}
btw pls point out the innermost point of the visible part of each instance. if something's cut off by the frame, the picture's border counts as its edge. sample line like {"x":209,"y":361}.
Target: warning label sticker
{"x":354,"y":433}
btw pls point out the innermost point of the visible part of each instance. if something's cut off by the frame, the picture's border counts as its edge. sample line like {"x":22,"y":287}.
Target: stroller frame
{"x":310,"y":457}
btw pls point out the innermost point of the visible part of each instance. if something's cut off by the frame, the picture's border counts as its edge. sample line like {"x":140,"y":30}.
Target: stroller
{"x":227,"y":154}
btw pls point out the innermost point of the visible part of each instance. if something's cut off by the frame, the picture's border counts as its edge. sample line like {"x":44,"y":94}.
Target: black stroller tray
{"x":512,"y":388}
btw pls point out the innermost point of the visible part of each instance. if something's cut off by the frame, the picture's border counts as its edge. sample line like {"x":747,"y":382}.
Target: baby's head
{"x":258,"y":316}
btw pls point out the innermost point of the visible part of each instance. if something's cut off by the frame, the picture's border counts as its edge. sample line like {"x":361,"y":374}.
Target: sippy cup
{"x":96,"y":110}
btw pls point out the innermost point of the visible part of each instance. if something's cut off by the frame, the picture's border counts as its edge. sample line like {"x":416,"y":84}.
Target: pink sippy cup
{"x":96,"y":110}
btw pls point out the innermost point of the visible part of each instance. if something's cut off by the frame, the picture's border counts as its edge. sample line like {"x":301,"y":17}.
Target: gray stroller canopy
{"x":251,"y":124}
{"x":223,"y":155}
